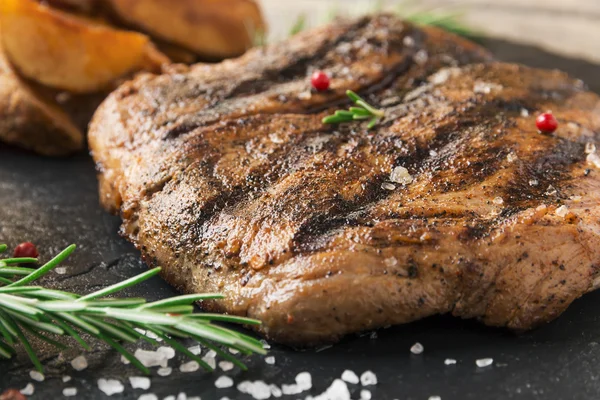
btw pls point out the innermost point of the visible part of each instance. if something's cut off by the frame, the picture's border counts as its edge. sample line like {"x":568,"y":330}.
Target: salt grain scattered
{"x":435,"y":398}
{"x":485,"y":87}
{"x":593,"y":159}
{"x":408,"y":41}
{"x":223,"y":382}
{"x":209,"y":358}
{"x":139,"y":382}
{"x":191,"y":366}
{"x":388,"y":186}
{"x":234,"y":351}
{"x":124,"y":360}
{"x":433,"y":153}
{"x":265,"y":344}
{"x":181,"y":396}
{"x":110,"y":386}
{"x":66,"y":378}
{"x":79,"y":363}
{"x":368,"y":378}
{"x":270,"y":360}
{"x":562,"y":211}
{"x":28,"y":390}
{"x":148,"y":396}
{"x":60,"y":270}
{"x":484,"y":362}
{"x":533,"y":182}
{"x":440,"y":77}
{"x":337,"y":391}
{"x":169,"y":398}
{"x":304,"y":381}
{"x":260,"y":390}
{"x":576,"y":199}
{"x":350,"y":377}
{"x":365,"y":395}
{"x":166,"y":352}
{"x":511,"y":157}
{"x":165,"y":371}
{"x":36,"y":376}
{"x":400,"y":175}
{"x":150,"y":358}
{"x":290,"y":389}
{"x":417,"y":348}
{"x":590,"y":148}
{"x":69,"y":392}
{"x":524,"y":112}
{"x":226,"y":365}
{"x":421,"y":57}
{"x":275,"y":391}
{"x":550,"y":191}
{"x":195,"y":350}
{"x":498,"y":200}
{"x":450,"y":361}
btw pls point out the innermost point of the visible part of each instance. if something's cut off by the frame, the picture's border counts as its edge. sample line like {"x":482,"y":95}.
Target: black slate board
{"x":54,"y":203}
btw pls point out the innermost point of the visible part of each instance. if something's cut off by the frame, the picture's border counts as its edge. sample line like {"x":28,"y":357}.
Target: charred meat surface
{"x":225,"y":176}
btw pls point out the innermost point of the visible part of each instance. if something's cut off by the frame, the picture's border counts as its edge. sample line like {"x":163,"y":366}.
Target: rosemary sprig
{"x":37,"y":311}
{"x":364,"y":111}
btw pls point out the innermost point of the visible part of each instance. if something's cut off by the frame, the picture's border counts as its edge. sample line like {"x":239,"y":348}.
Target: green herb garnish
{"x":364,"y":111}
{"x":37,"y":311}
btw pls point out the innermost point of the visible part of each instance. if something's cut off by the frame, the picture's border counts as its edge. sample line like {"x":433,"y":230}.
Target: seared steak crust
{"x":225,"y":176}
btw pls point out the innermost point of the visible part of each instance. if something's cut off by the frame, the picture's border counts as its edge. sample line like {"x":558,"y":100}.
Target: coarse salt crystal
{"x":524,"y":112}
{"x":388,"y":186}
{"x":417,"y":348}
{"x":166,"y":352}
{"x":139,"y":382}
{"x":551,"y":191}
{"x":79,"y":363}
{"x":226,"y":365}
{"x":594,"y":159}
{"x":408,"y":41}
{"x":265,"y":344}
{"x":337,"y":391}
{"x":421,"y":57}
{"x":66,"y":378}
{"x":223,"y":382}
{"x":28,"y":390}
{"x":234,"y":351}
{"x":368,"y":378}
{"x":350,"y":377}
{"x":449,"y":361}
{"x":191,"y":366}
{"x":365,"y":395}
{"x":275,"y":138}
{"x":150,"y":358}
{"x":270,"y":360}
{"x":484,"y":362}
{"x":124,"y":360}
{"x":195,"y":350}
{"x":576,"y":199}
{"x":590,"y":148}
{"x":69,"y":392}
{"x":435,"y":398}
{"x":485,"y":87}
{"x":36,"y":376}
{"x":304,"y":381}
{"x":209,"y":358}
{"x":498,"y":200}
{"x":169,"y":398}
{"x":562,"y":211}
{"x":148,"y":396}
{"x":60,"y":270}
{"x":110,"y":386}
{"x":440,"y":77}
{"x":275,"y":391}
{"x":182,"y":396}
{"x":533,"y":182}
{"x":400,"y":175}
{"x":164,"y":371}
{"x":290,"y":389}
{"x":433,"y":153}
{"x":511,"y":157}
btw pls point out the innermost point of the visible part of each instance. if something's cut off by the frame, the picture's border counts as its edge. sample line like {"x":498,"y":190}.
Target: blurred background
{"x":565,"y":27}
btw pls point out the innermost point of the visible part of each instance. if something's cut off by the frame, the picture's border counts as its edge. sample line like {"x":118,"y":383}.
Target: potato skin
{"x":30,"y":121}
{"x":210,"y":28}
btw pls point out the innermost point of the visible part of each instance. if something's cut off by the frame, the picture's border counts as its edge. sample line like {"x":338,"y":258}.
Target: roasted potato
{"x":32,"y":121}
{"x":70,"y":52}
{"x":210,"y":28}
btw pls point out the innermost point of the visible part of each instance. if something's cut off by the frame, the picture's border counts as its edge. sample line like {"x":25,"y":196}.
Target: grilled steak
{"x":226,"y":177}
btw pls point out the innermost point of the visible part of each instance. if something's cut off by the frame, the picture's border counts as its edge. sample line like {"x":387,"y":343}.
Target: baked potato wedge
{"x":70,"y":52}
{"x":210,"y":28}
{"x":32,"y":121}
